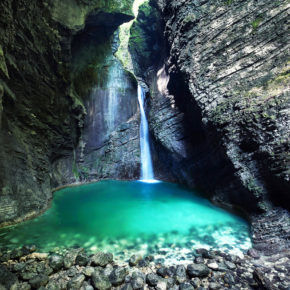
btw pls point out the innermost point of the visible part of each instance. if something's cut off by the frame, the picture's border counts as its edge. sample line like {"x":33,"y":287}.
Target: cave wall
{"x":108,"y":145}
{"x":42,"y":115}
{"x":233,"y":57}
{"x":218,"y":103}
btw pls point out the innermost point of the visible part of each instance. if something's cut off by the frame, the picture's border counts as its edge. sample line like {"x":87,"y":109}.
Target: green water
{"x":126,"y":217}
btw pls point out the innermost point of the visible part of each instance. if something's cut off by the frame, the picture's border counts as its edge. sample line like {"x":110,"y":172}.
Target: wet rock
{"x":76,"y":282}
{"x":161,"y":285}
{"x":70,"y":257}
{"x":128,"y":279}
{"x":101,"y":259}
{"x":4,"y":256}
{"x":73,"y":271}
{"x":152,"y":279}
{"x":186,"y":286}
{"x":214,"y":286}
{"x":162,"y":271}
{"x":138,"y":280}
{"x":170,"y":282}
{"x":199,"y":260}
{"x":280,"y":268}
{"x":149,"y":258}
{"x":108,"y":270}
{"x":230,"y":265}
{"x":7,"y":279}
{"x":262,"y":280}
{"x":127,"y":286}
{"x":143,"y":263}
{"x":16,"y":253}
{"x":18,"y":267}
{"x":229,"y":279}
{"x":197,"y":270}
{"x":38,"y":281}
{"x":22,"y":286}
{"x":195,"y":282}
{"x":170,"y":271}
{"x":213,"y":266}
{"x":87,"y":286}
{"x":28,"y":249}
{"x":253,"y":253}
{"x":180,"y":274}
{"x":175,"y":287}
{"x":32,"y":269}
{"x":117,"y":277}
{"x":222,"y":267}
{"x":100,"y":281}
{"x":56,"y":262}
{"x":82,"y":259}
{"x":88,"y":271}
{"x":205,"y":253}
{"x":134,"y":260}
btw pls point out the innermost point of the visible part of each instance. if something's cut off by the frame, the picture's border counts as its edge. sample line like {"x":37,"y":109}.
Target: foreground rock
{"x":231,"y":272}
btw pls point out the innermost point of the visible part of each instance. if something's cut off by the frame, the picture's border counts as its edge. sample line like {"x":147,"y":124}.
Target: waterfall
{"x":147,"y":174}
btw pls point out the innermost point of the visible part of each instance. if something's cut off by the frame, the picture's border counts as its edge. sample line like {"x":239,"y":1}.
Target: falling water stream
{"x":147,"y":173}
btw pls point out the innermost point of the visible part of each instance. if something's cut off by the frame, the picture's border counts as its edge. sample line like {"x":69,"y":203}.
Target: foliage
{"x":256,"y":23}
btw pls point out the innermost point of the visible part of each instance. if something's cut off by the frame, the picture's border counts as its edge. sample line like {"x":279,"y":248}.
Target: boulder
{"x":198,"y":270}
{"x":117,"y":277}
{"x":152,"y":279}
{"x":7,"y":279}
{"x":100,"y":281}
{"x":101,"y":259}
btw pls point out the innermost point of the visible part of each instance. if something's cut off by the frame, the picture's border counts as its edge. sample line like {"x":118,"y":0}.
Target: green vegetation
{"x":90,"y":68}
{"x":3,"y":67}
{"x":256,"y":23}
{"x":255,"y":101}
{"x":229,"y":2}
{"x":124,"y":35}
{"x":72,"y":14}
{"x":189,"y":18}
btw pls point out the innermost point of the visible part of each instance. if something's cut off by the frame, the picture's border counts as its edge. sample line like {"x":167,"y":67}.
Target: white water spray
{"x":147,"y":173}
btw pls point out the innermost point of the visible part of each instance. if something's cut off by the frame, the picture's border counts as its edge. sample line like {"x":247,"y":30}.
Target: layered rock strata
{"x":219,"y":101}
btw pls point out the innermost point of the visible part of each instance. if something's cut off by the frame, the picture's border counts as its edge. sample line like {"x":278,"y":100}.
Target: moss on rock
{"x":73,"y":13}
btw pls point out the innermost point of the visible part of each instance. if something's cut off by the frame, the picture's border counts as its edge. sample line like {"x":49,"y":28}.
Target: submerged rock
{"x":56,"y":262}
{"x":138,"y":280}
{"x":180,"y":274}
{"x":134,"y":260}
{"x":152,"y":279}
{"x":38,"y":281}
{"x":117,"y":277}
{"x":101,"y":259}
{"x":70,"y":257}
{"x":82,"y":259}
{"x":186,"y":286}
{"x":100,"y":281}
{"x":76,"y":282}
{"x":7,"y":279}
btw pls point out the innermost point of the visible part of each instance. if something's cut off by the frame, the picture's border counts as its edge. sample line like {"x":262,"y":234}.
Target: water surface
{"x":127,"y":217}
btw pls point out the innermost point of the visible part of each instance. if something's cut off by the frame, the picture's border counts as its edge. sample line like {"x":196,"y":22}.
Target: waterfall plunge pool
{"x":125,"y":218}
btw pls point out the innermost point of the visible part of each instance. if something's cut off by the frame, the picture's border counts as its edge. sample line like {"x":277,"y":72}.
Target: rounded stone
{"x":198,"y":270}
{"x":101,"y":259}
{"x":152,"y":279}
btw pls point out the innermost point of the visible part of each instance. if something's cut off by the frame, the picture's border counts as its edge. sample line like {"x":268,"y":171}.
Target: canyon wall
{"x":219,"y":102}
{"x":46,"y":94}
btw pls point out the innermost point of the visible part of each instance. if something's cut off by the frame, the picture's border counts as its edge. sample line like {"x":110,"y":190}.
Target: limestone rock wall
{"x":223,"y":97}
{"x":42,"y":112}
{"x":219,"y":104}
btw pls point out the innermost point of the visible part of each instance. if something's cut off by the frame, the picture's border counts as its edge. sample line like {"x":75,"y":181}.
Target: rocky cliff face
{"x":219,"y":102}
{"x":42,"y":110}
